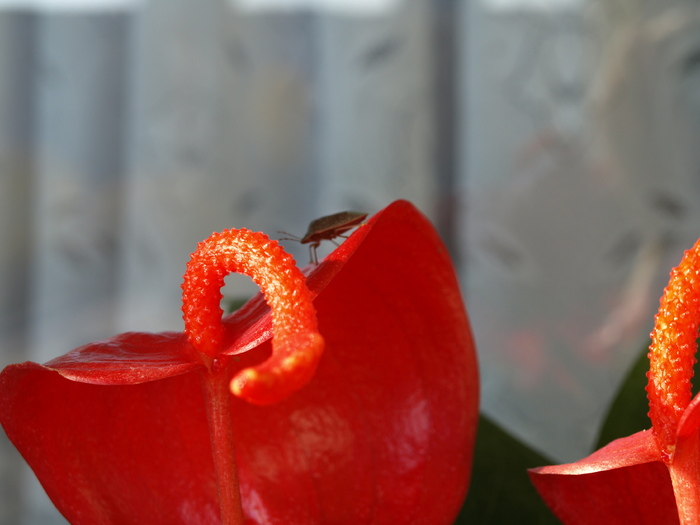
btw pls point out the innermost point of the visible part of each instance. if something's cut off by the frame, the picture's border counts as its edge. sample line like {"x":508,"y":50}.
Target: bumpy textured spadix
{"x":296,"y":344}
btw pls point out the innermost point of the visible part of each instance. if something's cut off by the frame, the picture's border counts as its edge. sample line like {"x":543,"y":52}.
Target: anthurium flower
{"x":653,"y":476}
{"x":346,"y":397}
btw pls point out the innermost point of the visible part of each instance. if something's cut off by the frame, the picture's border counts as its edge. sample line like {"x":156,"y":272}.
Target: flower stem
{"x":217,"y":399}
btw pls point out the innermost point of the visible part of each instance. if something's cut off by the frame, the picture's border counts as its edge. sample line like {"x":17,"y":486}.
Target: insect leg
{"x":312,"y":252}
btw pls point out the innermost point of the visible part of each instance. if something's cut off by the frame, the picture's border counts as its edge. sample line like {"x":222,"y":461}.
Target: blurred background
{"x":553,"y":143}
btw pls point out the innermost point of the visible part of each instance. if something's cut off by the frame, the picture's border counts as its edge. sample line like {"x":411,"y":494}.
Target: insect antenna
{"x":289,"y":236}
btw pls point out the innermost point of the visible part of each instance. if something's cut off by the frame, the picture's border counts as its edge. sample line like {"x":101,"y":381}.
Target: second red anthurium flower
{"x":348,"y":396}
{"x":651,"y":477}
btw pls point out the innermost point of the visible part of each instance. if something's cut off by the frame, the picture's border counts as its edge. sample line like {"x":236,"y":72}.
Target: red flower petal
{"x":686,"y":462}
{"x":689,"y":424}
{"x":126,"y":359}
{"x":624,"y":482}
{"x":113,"y":454}
{"x":383,"y":433}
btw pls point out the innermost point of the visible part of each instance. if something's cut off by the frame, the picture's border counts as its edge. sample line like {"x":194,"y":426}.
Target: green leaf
{"x":500,"y":491}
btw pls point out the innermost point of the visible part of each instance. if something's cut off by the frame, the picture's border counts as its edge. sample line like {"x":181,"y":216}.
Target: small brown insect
{"x":326,"y":229}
